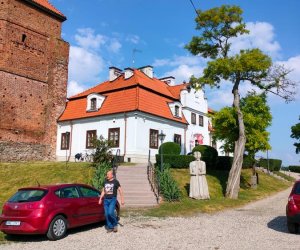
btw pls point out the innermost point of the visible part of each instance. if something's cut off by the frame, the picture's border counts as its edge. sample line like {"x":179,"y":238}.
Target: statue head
{"x":197,"y":155}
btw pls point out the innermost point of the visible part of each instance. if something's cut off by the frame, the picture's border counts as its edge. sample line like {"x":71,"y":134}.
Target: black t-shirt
{"x":111,"y":188}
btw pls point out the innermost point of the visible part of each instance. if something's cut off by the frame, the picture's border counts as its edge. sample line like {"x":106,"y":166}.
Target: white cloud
{"x":114,"y":46}
{"x":261,"y":36}
{"x":87,"y":39}
{"x":84,"y":65}
{"x":75,"y":88}
{"x":135,"y":39}
{"x":184,"y":72}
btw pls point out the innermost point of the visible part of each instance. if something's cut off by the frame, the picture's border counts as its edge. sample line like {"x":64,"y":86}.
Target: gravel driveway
{"x":259,"y":225}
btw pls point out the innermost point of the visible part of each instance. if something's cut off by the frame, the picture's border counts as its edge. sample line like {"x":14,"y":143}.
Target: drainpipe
{"x":71,"y":133}
{"x":125,"y":134}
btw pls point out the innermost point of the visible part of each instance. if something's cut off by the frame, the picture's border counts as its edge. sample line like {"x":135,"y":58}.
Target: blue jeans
{"x":109,"y":209}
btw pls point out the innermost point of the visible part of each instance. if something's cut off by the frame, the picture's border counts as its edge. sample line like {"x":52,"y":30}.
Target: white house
{"x":131,"y":109}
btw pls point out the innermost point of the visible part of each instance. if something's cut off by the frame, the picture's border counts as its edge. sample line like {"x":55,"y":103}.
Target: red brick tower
{"x":33,"y":78}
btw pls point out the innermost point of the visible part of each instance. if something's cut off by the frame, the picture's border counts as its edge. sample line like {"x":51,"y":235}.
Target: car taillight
{"x":5,"y":207}
{"x":291,"y":200}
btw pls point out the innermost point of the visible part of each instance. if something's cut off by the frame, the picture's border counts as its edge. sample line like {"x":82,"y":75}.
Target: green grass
{"x":217,"y":185}
{"x":288,"y":178}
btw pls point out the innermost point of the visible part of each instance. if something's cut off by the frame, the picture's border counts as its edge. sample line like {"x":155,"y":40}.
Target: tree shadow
{"x":222,"y":176}
{"x":278,"y":224}
{"x":187,"y":188}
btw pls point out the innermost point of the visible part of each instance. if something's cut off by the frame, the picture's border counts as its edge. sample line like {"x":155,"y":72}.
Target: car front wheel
{"x":292,"y":227}
{"x":57,"y":228}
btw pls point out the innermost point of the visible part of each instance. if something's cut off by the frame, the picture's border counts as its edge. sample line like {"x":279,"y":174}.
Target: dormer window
{"x":176,"y":109}
{"x":94,"y":102}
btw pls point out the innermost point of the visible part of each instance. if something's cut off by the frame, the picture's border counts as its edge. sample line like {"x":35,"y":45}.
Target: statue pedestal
{"x":253,"y":181}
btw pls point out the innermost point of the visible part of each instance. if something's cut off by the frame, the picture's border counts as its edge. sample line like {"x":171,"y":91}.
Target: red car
{"x":293,"y":209}
{"x":51,"y":210}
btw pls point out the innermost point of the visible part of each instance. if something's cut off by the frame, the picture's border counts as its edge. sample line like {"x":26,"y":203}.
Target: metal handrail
{"x":152,"y":178}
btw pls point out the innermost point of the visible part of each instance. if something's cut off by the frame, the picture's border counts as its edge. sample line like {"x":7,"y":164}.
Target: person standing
{"x":109,"y":192}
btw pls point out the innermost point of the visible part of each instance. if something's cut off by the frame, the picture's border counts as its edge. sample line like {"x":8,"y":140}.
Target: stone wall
{"x":33,"y":81}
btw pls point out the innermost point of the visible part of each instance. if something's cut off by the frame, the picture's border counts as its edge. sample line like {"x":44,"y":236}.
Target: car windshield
{"x":28,"y":195}
{"x":297,"y":188}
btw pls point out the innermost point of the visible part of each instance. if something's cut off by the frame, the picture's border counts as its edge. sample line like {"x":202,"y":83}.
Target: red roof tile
{"x":175,"y":90}
{"x":49,"y":6}
{"x":139,"y":92}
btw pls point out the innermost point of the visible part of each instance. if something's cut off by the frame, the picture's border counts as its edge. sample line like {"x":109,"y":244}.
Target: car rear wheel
{"x":57,"y":228}
{"x":292,"y":227}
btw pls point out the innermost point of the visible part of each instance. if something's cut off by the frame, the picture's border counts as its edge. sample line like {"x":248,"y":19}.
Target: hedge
{"x":295,"y":169}
{"x":170,"y":148}
{"x":274,"y":164}
{"x":225,"y":162}
{"x":176,"y":161}
{"x":208,"y":154}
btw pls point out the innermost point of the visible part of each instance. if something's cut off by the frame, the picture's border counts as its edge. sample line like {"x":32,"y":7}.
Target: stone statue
{"x":198,"y":183}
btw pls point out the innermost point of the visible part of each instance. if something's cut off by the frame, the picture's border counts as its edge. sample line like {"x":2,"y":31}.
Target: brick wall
{"x":33,"y":81}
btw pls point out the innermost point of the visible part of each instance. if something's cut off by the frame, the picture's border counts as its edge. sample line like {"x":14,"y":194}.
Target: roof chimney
{"x":170,"y":80}
{"x":128,"y":73}
{"x":147,"y":70}
{"x":114,"y":73}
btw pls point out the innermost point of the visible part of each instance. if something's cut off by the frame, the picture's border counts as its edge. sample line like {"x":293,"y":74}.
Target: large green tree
{"x":217,"y":27}
{"x":296,"y":135}
{"x":257,"y":118}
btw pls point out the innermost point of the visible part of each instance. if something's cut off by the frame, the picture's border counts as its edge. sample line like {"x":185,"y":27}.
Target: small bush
{"x":248,"y":161}
{"x":168,"y":186}
{"x":100,"y":174}
{"x":224,"y":162}
{"x":208,"y":154}
{"x":175,"y":161}
{"x":295,"y":169}
{"x":274,"y":164}
{"x":170,"y":148}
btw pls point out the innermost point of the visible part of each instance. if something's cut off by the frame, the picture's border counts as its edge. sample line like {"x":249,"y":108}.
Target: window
{"x":177,"y":111}
{"x":193,"y":118}
{"x":65,"y":141}
{"x":88,"y":192}
{"x":68,"y":192}
{"x":93,"y":104}
{"x":114,"y":137}
{"x":153,"y":140}
{"x":201,"y":120}
{"x":177,"y":139}
{"x":91,"y":135}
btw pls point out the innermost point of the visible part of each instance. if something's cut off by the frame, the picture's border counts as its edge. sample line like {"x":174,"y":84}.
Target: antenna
{"x":133,"y":54}
{"x":38,"y":183}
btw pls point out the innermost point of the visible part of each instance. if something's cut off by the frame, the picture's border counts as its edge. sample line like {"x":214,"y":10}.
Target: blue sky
{"x":135,"y":33}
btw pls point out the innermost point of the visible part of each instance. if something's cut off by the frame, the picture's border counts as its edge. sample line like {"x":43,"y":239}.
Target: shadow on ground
{"x":40,"y":238}
{"x":278,"y":224}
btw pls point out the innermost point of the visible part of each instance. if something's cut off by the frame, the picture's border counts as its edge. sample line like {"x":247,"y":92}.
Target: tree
{"x":217,"y":26}
{"x":257,"y":117}
{"x":296,"y":135}
{"x":102,"y":152}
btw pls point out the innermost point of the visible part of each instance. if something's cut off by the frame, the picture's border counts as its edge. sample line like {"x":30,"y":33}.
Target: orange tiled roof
{"x":136,"y":93}
{"x":49,"y":6}
{"x":175,"y":90}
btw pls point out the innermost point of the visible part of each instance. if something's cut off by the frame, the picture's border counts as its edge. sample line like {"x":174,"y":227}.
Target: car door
{"x":70,"y":203}
{"x":93,"y":212}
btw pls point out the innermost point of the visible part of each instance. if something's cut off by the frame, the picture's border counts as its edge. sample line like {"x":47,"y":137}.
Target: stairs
{"x":135,"y":185}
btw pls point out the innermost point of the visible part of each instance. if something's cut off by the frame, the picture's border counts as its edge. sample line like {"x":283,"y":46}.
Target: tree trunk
{"x":233,"y":184}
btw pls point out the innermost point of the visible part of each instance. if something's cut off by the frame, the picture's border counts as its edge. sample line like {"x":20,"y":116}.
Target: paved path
{"x":259,"y":225}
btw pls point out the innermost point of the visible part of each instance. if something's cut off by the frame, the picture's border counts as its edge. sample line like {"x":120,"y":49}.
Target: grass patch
{"x":217,"y":185}
{"x":283,"y":175}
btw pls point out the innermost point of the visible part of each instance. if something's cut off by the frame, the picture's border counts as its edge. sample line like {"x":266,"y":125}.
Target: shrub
{"x":170,"y":148}
{"x":102,"y":151}
{"x":175,"y":161}
{"x":224,"y":162}
{"x":209,"y":155}
{"x":295,"y":169}
{"x":248,"y":161}
{"x":274,"y":164}
{"x":168,"y":186}
{"x":100,"y":174}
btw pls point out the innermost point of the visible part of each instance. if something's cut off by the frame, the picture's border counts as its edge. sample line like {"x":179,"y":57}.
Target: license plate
{"x":12,"y":223}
